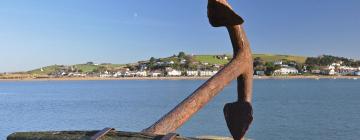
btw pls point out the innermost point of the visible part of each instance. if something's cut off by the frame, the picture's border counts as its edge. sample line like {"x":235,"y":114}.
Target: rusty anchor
{"x":238,"y":115}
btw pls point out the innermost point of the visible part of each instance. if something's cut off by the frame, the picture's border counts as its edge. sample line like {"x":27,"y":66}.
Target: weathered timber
{"x":102,"y":133}
{"x":86,"y":135}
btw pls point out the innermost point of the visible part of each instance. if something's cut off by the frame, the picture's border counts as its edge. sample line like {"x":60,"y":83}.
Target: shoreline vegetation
{"x":174,"y":78}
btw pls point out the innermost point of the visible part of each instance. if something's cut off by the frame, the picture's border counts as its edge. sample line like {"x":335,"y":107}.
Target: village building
{"x":106,"y":74}
{"x":216,"y":66}
{"x":286,"y":71}
{"x":278,"y":63}
{"x":192,"y":73}
{"x":345,"y":70}
{"x":205,"y":63}
{"x":207,"y":73}
{"x":337,"y":64}
{"x":141,"y":74}
{"x":316,"y":71}
{"x":182,"y":61}
{"x":160,"y":63}
{"x":328,"y":70}
{"x":260,"y":72}
{"x":357,"y":73}
{"x":155,"y":73}
{"x":119,"y":74}
{"x":76,"y":74}
{"x":129,"y":74}
{"x":173,"y":72}
{"x":170,"y":63}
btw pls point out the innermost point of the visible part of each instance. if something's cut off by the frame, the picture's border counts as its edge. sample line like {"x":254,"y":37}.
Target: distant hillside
{"x":45,"y":70}
{"x":210,"y":59}
{"x":85,"y":68}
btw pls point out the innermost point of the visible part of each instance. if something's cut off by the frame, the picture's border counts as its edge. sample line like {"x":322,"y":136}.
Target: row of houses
{"x":107,"y":74}
{"x":333,"y":69}
{"x":285,"y":69}
{"x":170,"y":73}
{"x":337,"y":69}
{"x":68,"y":74}
{"x":330,"y":70}
{"x":323,"y":70}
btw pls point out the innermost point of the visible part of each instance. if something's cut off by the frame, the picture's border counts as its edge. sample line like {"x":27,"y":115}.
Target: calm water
{"x":284,"y":109}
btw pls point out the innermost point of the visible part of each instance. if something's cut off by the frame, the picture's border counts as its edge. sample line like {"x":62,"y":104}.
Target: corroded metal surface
{"x":239,"y":114}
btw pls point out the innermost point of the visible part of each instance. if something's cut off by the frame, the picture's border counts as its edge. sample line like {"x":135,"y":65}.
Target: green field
{"x":211,"y":59}
{"x":86,"y":68}
{"x":275,"y":57}
{"x":45,"y":70}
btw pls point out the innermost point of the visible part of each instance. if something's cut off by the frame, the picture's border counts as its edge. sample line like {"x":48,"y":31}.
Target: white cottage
{"x":155,"y":74}
{"x":207,"y":73}
{"x":174,"y":73}
{"x":141,"y":73}
{"x":192,"y":73}
{"x":286,"y":71}
{"x":357,"y":73}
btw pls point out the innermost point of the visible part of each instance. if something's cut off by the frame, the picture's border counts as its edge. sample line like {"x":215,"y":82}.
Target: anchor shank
{"x":240,"y":68}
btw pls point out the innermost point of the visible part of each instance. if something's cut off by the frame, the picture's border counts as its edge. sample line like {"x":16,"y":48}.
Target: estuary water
{"x":283,"y":109}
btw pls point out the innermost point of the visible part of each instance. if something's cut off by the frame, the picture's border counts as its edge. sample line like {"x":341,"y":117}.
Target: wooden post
{"x":240,"y":67}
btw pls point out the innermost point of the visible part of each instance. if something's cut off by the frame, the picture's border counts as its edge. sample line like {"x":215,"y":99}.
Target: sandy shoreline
{"x":175,"y":78}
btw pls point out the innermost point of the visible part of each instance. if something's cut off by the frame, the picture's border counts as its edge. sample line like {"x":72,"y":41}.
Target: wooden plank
{"x":102,"y":133}
{"x":170,"y":136}
{"x":86,"y":135}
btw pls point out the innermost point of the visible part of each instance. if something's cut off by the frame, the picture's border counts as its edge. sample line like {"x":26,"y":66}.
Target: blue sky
{"x":35,"y":33}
